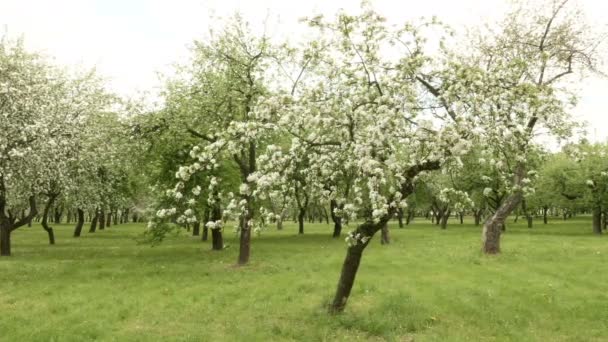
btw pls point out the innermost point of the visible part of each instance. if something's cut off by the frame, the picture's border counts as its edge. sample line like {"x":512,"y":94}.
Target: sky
{"x":131,"y":42}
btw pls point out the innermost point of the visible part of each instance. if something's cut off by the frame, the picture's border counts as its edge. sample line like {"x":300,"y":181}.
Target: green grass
{"x":549,"y":284}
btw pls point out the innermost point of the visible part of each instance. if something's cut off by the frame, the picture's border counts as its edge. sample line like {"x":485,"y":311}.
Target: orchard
{"x":242,"y":206}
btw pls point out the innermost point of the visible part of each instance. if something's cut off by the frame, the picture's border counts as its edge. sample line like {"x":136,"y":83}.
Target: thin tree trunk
{"x":301,"y":221}
{"x":102,"y":220}
{"x":400,"y":217}
{"x":45,"y":218}
{"x":444,"y":219}
{"x":94,"y":220}
{"x":196,"y":229}
{"x":545,"y":209}
{"x":461,"y":215}
{"x":280,"y":222}
{"x":109,"y":219}
{"x":385,"y":238}
{"x":217,"y":241}
{"x":79,"y":222}
{"x":333,"y":205}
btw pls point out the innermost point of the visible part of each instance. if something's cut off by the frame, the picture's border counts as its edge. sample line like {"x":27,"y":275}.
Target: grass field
{"x":550,"y":284}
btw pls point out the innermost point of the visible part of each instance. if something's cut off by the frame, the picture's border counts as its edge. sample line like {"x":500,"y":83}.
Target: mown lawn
{"x":550,"y":284}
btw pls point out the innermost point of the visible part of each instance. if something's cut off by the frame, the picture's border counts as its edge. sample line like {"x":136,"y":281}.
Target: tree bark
{"x":94,"y":220}
{"x":109,"y":219}
{"x":400,"y":217}
{"x":102,"y":220}
{"x":196,"y":229}
{"x":8,"y":224}
{"x":333,"y":205}
{"x":351,"y":264}
{"x":45,"y":218}
{"x":444,"y":219}
{"x":385,"y":237}
{"x":79,"y":222}
{"x":495,"y":224}
{"x":301,"y":221}
{"x":217,"y":241}
{"x":545,"y":209}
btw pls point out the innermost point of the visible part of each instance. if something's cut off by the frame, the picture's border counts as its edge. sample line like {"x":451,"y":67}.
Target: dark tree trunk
{"x":79,"y":222}
{"x":400,"y":217}
{"x":94,"y":220}
{"x":45,"y":218}
{"x":8,"y":224}
{"x":545,"y":209}
{"x":245,"y":241}
{"x":530,"y":221}
{"x":196,"y":229}
{"x":5,"y":239}
{"x":477,"y":217}
{"x":58,"y":214}
{"x":495,"y":224}
{"x":410,"y":217}
{"x":604,"y":220}
{"x":461,"y":215}
{"x":109,"y":219}
{"x":217,"y":241}
{"x":115,"y":218}
{"x":102,"y":220}
{"x":597,"y":219}
{"x":351,"y":265}
{"x":333,"y":205}
{"x":301,"y":221}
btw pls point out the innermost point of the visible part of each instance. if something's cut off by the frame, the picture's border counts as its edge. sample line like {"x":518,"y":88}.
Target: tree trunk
{"x":597,"y":219}
{"x":280,"y":222}
{"x":400,"y":217}
{"x":109,"y":219}
{"x":495,"y":224}
{"x":410,"y":216}
{"x":79,"y":222}
{"x":461,"y":215}
{"x":337,"y":219}
{"x":604,"y":220}
{"x":102,"y":220}
{"x":545,"y":209}
{"x":217,"y":241}
{"x":244,"y":241}
{"x":115,"y":217}
{"x":351,"y":264}
{"x":45,"y":218}
{"x":196,"y":229}
{"x":444,"y":219}
{"x":58,"y":214}
{"x":385,"y":238}
{"x":5,"y":239}
{"x":301,"y":221}
{"x":94,"y":220}
{"x":530,"y":221}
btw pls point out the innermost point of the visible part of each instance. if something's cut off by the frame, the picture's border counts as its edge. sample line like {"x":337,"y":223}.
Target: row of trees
{"x":362,"y":115}
{"x":63,"y":145}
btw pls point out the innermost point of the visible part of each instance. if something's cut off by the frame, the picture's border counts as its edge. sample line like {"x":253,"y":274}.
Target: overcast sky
{"x":131,"y":41}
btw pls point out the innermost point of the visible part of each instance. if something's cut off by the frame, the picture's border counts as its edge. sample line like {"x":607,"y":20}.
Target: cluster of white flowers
{"x":353,"y":239}
{"x":162,"y":213}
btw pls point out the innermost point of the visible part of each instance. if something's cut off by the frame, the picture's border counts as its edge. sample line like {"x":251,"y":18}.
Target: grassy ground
{"x":550,"y":284}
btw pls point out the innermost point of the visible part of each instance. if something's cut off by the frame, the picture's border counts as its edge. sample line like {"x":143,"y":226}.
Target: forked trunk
{"x":495,"y":224}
